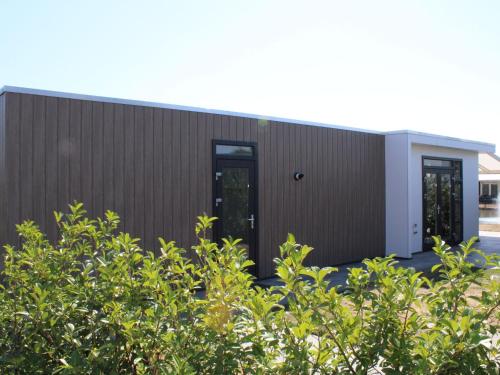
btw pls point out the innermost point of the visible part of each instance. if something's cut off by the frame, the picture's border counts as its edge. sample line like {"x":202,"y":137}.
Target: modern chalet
{"x":350,"y":193}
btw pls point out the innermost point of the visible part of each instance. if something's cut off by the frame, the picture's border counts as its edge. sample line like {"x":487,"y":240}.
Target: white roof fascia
{"x":489,"y":177}
{"x":105,"y":99}
{"x":446,"y":141}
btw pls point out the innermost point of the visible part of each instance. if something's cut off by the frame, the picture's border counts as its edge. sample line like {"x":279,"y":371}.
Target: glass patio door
{"x":442,"y":204}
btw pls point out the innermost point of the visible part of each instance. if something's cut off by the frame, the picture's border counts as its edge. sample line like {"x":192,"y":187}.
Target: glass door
{"x":235,"y":202}
{"x":442,"y":202}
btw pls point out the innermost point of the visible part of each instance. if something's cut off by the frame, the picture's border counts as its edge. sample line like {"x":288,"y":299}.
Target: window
{"x":485,"y":189}
{"x":234,"y":150}
{"x":437,"y":163}
{"x":494,"y":190}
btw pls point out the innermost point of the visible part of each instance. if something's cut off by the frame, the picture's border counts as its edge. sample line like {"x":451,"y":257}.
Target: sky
{"x":430,"y":66}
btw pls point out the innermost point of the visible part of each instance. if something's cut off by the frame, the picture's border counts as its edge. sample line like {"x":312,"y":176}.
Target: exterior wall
{"x":470,"y":184}
{"x":3,"y":179}
{"x":396,"y":190}
{"x":154,"y":167}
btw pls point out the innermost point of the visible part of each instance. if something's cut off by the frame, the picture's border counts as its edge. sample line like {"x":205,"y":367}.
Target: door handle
{"x":438,"y":209}
{"x":251,"y":219}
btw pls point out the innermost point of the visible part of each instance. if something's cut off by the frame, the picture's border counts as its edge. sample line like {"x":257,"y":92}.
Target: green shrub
{"x":95,"y":303}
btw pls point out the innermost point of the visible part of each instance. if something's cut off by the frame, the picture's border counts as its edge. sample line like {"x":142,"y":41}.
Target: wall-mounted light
{"x":298,"y":176}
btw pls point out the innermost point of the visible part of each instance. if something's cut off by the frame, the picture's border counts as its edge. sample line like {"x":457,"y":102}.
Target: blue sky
{"x":430,"y":66}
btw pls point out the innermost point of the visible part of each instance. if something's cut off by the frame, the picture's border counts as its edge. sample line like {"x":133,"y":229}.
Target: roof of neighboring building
{"x":489,"y":164}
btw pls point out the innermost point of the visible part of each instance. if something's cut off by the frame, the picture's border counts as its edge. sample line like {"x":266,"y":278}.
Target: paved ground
{"x":422,"y":262}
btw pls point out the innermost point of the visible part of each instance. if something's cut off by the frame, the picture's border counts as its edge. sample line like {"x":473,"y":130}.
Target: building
{"x":489,"y":176}
{"x":350,"y":193}
{"x":489,"y":181}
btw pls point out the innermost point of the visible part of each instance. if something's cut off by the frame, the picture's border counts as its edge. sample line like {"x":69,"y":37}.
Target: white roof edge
{"x":478,"y":146}
{"x":489,"y":177}
{"x":105,"y":99}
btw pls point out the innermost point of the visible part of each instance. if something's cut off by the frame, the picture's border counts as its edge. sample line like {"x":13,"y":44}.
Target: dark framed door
{"x":442,"y":202}
{"x":235,"y":201}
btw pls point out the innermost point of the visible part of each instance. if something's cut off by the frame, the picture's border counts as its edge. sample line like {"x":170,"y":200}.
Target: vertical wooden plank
{"x":240,"y":128}
{"x":108,"y":167}
{"x":97,"y":159}
{"x":333,"y":208}
{"x":328,"y":189}
{"x":193,"y":184}
{"x":227,"y":128}
{"x":167,"y":186}
{"x":75,"y":141}
{"x":311,"y":184}
{"x":26,"y":157}
{"x":217,"y":127}
{"x":185,"y":170}
{"x":341,"y":195}
{"x":292,"y":149}
{"x":178,"y":179}
{"x":119,"y":160}
{"x":86,"y":177}
{"x":204,"y":158}
{"x":51,"y":168}
{"x":149,"y":203}
{"x":63,"y":155}
{"x":321,"y":228}
{"x":12,"y":160}
{"x":129,"y":168}
{"x":280,"y":183}
{"x":262,"y":197}
{"x":3,"y":174}
{"x":365,"y":198}
{"x":158,"y":160}
{"x":205,"y":121}
{"x":139,"y":173}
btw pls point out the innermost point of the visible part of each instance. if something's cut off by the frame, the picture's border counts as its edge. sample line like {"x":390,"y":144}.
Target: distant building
{"x":489,"y":176}
{"x":489,"y":183}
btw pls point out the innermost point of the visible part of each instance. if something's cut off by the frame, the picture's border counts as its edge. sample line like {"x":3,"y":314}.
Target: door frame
{"x":451,"y":170}
{"x":254,"y":159}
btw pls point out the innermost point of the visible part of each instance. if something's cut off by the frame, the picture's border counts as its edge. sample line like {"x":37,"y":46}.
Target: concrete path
{"x":421,"y":262}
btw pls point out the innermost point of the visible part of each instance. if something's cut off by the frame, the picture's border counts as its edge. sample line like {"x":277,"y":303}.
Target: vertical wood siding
{"x":154,"y":167}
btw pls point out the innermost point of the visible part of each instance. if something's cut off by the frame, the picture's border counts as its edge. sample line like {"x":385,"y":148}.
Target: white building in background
{"x":489,"y":176}
{"x":489,"y":186}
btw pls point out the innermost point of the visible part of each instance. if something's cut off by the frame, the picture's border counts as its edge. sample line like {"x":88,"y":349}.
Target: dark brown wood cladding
{"x":153,"y":166}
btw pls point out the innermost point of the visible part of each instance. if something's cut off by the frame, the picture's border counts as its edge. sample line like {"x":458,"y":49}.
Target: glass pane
{"x":458,"y":170}
{"x":494,"y":190}
{"x":234,"y":150}
{"x":430,"y":202}
{"x":445,"y":206}
{"x":485,"y":189}
{"x":457,"y":231}
{"x":437,"y":163}
{"x":235,"y":209}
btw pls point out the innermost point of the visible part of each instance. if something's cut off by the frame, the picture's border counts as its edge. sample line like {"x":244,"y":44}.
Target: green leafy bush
{"x":95,"y":303}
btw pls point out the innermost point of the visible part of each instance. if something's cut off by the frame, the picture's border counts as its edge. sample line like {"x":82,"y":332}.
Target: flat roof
{"x":444,"y":141}
{"x":437,"y":139}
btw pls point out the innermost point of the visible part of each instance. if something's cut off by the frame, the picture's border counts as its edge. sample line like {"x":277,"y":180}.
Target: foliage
{"x":95,"y":303}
